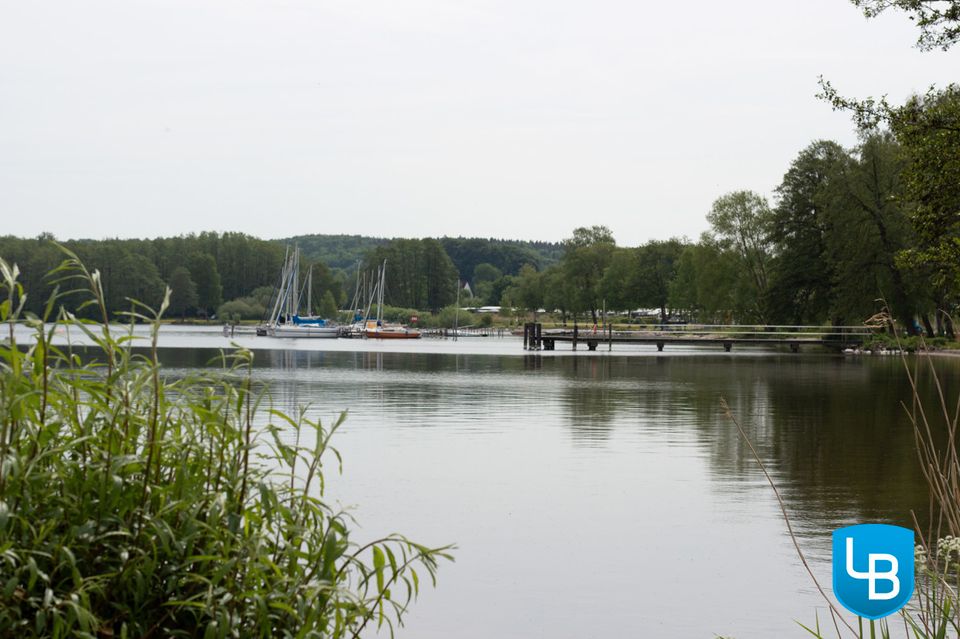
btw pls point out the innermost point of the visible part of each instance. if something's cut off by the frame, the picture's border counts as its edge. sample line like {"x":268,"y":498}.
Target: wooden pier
{"x":834,"y":337}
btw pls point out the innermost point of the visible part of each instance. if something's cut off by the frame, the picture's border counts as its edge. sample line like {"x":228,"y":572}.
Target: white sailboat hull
{"x":293,"y":330}
{"x":287,"y":306}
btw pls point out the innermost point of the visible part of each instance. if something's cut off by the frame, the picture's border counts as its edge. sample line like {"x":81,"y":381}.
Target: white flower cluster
{"x":947,"y":553}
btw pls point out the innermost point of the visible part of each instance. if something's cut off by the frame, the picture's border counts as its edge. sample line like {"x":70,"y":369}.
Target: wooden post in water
{"x":526,"y":334}
{"x":576,"y":333}
{"x":538,"y":329}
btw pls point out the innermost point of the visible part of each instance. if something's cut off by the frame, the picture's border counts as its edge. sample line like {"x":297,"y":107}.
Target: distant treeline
{"x":232,"y":275}
{"x":203,"y":270}
{"x":343,"y":252}
{"x":424,"y":273}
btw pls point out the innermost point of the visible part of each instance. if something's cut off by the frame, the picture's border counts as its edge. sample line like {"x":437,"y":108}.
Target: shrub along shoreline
{"x":132,"y":505}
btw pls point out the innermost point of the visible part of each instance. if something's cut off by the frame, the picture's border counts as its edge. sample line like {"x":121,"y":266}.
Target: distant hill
{"x":343,"y":251}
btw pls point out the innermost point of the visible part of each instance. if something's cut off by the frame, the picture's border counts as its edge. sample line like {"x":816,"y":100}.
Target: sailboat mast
{"x":278,"y":304}
{"x":383,"y":279}
{"x":372,"y":293}
{"x":456,"y":317}
{"x":309,"y":291}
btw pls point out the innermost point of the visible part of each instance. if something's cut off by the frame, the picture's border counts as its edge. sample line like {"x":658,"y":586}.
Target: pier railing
{"x":536,"y":337}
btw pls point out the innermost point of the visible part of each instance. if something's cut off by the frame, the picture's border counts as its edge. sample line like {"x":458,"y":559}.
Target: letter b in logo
{"x":873,"y":568}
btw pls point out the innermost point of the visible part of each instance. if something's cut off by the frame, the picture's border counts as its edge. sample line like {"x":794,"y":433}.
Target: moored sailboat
{"x":376,"y":328}
{"x":285,"y":319}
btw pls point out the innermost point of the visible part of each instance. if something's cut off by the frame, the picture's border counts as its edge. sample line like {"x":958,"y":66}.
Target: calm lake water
{"x":603,"y":494}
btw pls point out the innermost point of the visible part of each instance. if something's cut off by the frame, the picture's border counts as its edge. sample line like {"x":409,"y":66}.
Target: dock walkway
{"x":834,"y":337}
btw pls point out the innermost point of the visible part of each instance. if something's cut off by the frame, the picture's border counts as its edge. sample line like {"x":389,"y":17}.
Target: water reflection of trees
{"x":589,"y":397}
{"x":843,"y":443}
{"x":831,"y":429}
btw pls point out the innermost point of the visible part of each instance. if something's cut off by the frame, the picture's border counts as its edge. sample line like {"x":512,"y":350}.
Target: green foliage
{"x":526,"y":291}
{"x":250,"y":307}
{"x":450,"y":317}
{"x":741,"y":223}
{"x":506,"y":256}
{"x":484,"y":275}
{"x":618,"y":286}
{"x":486,"y":272}
{"x":203,"y":271}
{"x":492,"y":292}
{"x":939,"y":22}
{"x":419,"y":273}
{"x":223,"y":266}
{"x":708,"y":284}
{"x":556,"y":291}
{"x":343,"y":252}
{"x":657,"y":264}
{"x":183,"y":292}
{"x":928,"y":127}
{"x":587,"y":254}
{"x":802,"y":280}
{"x":337,"y":251}
{"x":328,"y":306}
{"x":135,"y":505}
{"x":401,"y":315}
{"x":874,"y":228}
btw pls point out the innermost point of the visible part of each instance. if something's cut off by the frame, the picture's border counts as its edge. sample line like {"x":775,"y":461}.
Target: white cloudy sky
{"x":519,"y":119}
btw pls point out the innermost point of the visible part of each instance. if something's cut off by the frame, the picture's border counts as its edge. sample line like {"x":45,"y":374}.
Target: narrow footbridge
{"x":535,"y":337}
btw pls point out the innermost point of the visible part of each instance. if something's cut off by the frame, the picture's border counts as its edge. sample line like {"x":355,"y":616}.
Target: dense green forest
{"x":203,"y":270}
{"x":339,"y":252}
{"x":232,"y":275}
{"x":343,"y":252}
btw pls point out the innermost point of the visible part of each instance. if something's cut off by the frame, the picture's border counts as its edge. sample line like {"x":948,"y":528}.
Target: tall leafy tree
{"x":183,"y":292}
{"x":928,"y":128}
{"x":204,"y":273}
{"x":657,"y":264}
{"x":871,"y":228}
{"x":803,"y":279}
{"x":618,"y":286}
{"x":741,"y":222}
{"x":710,"y":284}
{"x":527,"y":290}
{"x":556,"y":291}
{"x":441,"y":276}
{"x":586,"y":256}
{"x":484,"y":275}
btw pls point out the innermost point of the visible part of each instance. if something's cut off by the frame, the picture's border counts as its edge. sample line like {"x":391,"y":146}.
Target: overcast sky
{"x":518,"y":119}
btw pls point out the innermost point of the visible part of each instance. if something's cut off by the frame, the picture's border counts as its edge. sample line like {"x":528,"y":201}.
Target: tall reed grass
{"x":135,"y":505}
